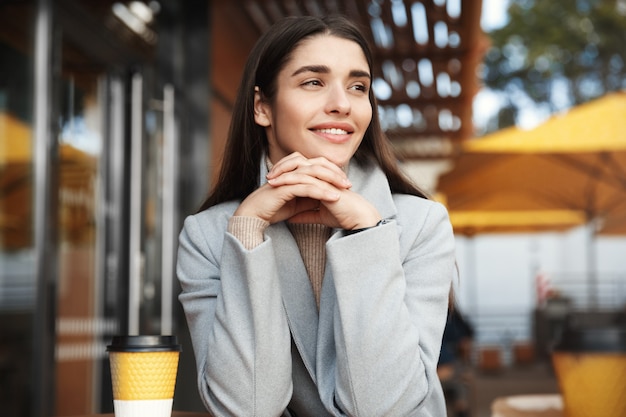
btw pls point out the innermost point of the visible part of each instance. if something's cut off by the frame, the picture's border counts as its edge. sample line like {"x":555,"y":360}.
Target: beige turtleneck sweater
{"x":310,"y":238}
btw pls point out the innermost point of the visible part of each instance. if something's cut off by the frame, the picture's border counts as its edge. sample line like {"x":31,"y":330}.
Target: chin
{"x":340,"y":162}
{"x":341,"y":159}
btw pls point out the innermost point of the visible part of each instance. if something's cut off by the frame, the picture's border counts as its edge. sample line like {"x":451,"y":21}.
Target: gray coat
{"x":263,"y":350}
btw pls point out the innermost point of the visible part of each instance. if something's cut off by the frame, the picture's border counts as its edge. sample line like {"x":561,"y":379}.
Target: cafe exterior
{"x":112,"y":120}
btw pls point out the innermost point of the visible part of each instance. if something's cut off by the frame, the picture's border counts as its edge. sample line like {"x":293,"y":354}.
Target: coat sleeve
{"x":232,"y":301}
{"x":392,"y":284}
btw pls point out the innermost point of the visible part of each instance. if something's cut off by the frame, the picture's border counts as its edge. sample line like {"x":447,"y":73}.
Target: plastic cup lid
{"x":144,"y":343}
{"x":601,"y":339}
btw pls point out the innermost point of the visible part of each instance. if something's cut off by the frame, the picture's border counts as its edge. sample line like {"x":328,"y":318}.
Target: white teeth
{"x":334,"y":131}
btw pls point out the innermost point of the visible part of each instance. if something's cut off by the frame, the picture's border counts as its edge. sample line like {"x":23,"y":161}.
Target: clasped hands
{"x":303,"y":190}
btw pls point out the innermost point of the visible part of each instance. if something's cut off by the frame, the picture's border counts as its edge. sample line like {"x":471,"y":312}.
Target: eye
{"x":313,"y":83}
{"x":360,"y":87}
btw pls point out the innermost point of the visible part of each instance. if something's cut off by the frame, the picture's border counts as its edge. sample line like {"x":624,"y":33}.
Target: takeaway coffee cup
{"x":590,"y":365}
{"x":143,"y":373}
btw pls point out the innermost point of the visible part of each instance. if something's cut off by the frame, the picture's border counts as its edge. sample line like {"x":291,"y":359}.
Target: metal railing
{"x":505,"y":327}
{"x":606,"y":291}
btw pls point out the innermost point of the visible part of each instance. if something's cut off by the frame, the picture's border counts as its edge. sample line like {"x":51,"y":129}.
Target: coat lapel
{"x":298,"y":298}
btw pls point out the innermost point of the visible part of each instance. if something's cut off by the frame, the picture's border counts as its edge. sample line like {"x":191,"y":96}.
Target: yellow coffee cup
{"x":143,"y":374}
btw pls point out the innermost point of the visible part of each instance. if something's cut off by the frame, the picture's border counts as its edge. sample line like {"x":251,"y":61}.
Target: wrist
{"x":248,"y":230}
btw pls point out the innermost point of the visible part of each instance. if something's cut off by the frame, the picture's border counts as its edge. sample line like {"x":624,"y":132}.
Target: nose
{"x":338,"y":100}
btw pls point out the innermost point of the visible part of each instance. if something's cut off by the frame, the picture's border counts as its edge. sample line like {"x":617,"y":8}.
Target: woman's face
{"x":322,"y":105}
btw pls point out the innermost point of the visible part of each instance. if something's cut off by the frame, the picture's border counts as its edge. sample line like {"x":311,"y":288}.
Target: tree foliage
{"x":557,"y":53}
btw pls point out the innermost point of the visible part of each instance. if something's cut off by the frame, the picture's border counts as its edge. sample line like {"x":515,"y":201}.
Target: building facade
{"x":99,"y":109}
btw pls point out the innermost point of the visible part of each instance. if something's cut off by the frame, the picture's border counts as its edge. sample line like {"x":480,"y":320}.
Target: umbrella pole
{"x":592,"y":277}
{"x":470,"y":247}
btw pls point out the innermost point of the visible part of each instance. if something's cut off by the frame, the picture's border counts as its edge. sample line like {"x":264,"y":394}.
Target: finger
{"x":319,"y":191}
{"x":338,"y":176}
{"x":319,"y":167}
{"x":286,"y":164}
{"x":311,"y":173}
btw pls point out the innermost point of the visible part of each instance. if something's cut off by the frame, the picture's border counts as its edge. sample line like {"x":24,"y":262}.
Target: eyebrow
{"x":323,"y":69}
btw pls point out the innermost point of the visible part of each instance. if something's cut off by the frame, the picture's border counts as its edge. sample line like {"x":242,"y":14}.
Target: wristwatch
{"x":353,"y":231}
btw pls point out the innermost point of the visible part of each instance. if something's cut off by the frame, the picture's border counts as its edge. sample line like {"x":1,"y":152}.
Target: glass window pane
{"x":17,"y":260}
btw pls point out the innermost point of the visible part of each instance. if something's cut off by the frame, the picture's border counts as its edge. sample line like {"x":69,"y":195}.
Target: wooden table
{"x":174,"y":414}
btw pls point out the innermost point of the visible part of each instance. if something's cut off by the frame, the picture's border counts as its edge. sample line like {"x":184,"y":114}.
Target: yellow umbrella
{"x":574,"y":162}
{"x":15,"y":145}
{"x":614,"y":226}
{"x":77,"y":171}
{"x":472,"y":222}
{"x":595,"y":126}
{"x":15,"y":192}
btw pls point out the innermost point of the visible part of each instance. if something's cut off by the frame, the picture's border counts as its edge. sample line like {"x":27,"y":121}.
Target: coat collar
{"x":371,"y":182}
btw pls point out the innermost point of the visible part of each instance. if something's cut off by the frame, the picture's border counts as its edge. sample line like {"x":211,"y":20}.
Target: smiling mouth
{"x":333,"y":131}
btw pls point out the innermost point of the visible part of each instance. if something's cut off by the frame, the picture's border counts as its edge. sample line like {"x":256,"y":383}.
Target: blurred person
{"x":315,"y":276}
{"x":453,"y":367}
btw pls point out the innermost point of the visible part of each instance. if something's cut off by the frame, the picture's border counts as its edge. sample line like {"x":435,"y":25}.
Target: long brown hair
{"x":247,"y":143}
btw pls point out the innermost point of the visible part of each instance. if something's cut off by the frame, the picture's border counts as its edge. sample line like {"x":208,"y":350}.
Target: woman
{"x":315,"y":277}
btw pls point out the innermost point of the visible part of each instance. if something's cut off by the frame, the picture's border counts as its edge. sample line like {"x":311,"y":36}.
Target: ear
{"x":262,"y":109}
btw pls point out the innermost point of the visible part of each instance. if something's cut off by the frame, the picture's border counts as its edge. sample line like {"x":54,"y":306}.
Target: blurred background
{"x":113,"y":116}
